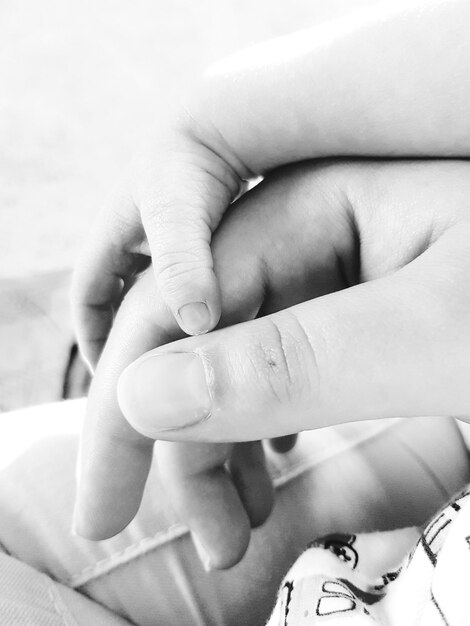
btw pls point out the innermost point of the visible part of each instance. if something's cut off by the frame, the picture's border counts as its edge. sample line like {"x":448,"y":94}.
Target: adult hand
{"x":259,"y":273}
{"x":393,"y":342}
{"x":384,"y":81}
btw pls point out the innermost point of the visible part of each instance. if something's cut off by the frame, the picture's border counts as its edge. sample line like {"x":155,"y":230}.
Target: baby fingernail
{"x":195,"y":318}
{"x":164,"y":391}
{"x":202,"y":553}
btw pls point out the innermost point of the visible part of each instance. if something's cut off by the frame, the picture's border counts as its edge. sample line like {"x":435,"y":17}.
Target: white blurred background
{"x":80,"y":81}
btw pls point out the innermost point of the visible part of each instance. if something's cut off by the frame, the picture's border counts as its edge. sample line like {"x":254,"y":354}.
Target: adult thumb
{"x":375,"y":350}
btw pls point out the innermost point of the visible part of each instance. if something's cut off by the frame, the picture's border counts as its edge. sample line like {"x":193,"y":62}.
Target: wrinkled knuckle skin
{"x":178,"y":269}
{"x":279,"y":359}
{"x":174,"y":278}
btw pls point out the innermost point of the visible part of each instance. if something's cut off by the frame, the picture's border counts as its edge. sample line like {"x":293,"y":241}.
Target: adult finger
{"x":244,"y":250}
{"x":219,"y":491}
{"x":252,"y":480}
{"x":218,"y":503}
{"x":397,"y":346}
{"x":112,"y":257}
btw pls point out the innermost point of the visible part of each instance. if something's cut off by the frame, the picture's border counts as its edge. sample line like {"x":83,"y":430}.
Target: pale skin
{"x":384,"y":82}
{"x":397,"y":343}
{"x":380,"y":84}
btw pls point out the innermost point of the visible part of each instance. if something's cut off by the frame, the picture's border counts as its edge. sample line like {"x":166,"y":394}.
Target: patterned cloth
{"x":397,"y":578}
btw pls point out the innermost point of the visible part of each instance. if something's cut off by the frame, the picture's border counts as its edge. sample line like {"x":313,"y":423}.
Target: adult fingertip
{"x":253,"y":482}
{"x":85,"y":528}
{"x":203,"y":553}
{"x":99,"y":526}
{"x":226,"y":556}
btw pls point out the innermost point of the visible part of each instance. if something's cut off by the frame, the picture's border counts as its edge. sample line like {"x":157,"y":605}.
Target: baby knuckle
{"x":175,"y":273}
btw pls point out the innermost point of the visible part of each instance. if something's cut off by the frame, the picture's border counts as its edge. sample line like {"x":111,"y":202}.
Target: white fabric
{"x":355,"y":477}
{"x":397,"y":578}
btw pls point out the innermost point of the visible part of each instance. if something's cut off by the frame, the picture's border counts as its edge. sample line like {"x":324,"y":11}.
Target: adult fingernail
{"x":195,"y":318}
{"x":202,"y":553}
{"x":164,"y":391}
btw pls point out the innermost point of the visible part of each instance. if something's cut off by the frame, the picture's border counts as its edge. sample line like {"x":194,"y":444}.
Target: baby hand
{"x":389,"y":80}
